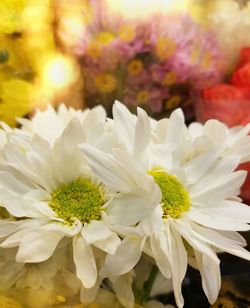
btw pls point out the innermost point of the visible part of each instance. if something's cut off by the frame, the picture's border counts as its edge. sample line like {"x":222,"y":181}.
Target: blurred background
{"x":156,"y":54}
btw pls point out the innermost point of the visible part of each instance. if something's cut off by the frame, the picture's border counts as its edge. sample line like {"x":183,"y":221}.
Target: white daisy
{"x":54,"y":194}
{"x":50,"y":123}
{"x":236,"y":140}
{"x":199,"y":211}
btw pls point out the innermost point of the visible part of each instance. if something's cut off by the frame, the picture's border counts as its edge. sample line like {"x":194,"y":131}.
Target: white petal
{"x":230,"y":210}
{"x":210,"y":274}
{"x":222,"y":242}
{"x":98,"y":234}
{"x":198,"y":166}
{"x":125,"y":258}
{"x":14,"y":239}
{"x":159,"y":246}
{"x":109,"y":244}
{"x":216,"y":130}
{"x":61,"y":227}
{"x":38,"y":246}
{"x":7,"y":227}
{"x":123,"y":289}
{"x":175,"y":127}
{"x":216,"y":223}
{"x":235,"y":237}
{"x":68,"y":158}
{"x":89,"y":295}
{"x":12,"y":184}
{"x":152,"y":223}
{"x":22,"y":207}
{"x":228,"y":186}
{"x":128,"y":209}
{"x":178,"y":260}
{"x":142,"y":133}
{"x":124,"y":124}
{"x":107,"y":169}
{"x":96,"y":231}
{"x":222,"y":167}
{"x":85,"y":262}
{"x":194,"y":239}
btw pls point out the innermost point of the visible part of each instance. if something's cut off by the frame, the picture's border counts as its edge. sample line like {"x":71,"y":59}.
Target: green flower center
{"x":175,"y":199}
{"x":81,"y":199}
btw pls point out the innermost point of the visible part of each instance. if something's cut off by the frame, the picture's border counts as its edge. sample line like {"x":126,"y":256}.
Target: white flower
{"x":199,"y":211}
{"x":50,"y":124}
{"x":55,"y":194}
{"x":236,"y":140}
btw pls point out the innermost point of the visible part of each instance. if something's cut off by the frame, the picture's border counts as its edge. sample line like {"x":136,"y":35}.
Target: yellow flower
{"x":38,"y":21}
{"x":142,"y":97}
{"x":126,"y":33}
{"x":11,"y":16}
{"x":104,"y":38}
{"x":15,"y":96}
{"x":135,"y":67}
{"x":94,"y":50}
{"x":206,"y":61}
{"x":195,"y":55}
{"x":11,"y":54}
{"x":173,"y":102}
{"x":7,"y":302}
{"x":169,"y":79}
{"x":106,"y":83}
{"x":165,"y":48}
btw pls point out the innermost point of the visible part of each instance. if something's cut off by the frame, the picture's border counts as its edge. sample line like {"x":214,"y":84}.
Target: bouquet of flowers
{"x":86,"y":200}
{"x":156,"y":63}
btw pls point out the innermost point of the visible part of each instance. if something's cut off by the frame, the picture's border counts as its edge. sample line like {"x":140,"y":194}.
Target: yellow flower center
{"x":127,"y":33}
{"x":135,"y":67}
{"x":142,"y":97}
{"x":94,"y":50}
{"x":165,"y":48}
{"x":169,"y":79}
{"x":175,"y":198}
{"x":173,"y":102}
{"x":206,"y":61}
{"x":104,"y":38}
{"x":7,"y":302}
{"x":106,"y":83}
{"x":81,"y":199}
{"x":194,"y":55}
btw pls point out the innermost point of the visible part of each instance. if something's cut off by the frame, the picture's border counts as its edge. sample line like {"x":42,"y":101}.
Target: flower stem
{"x":148,"y":284}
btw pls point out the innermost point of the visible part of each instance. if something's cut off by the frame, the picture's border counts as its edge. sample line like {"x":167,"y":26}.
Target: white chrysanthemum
{"x":236,"y":140}
{"x":199,"y":211}
{"x":50,"y":124}
{"x":54,"y":194}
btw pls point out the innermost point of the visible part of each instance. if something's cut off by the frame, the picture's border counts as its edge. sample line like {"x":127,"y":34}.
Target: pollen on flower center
{"x":81,"y":199}
{"x":175,"y":199}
